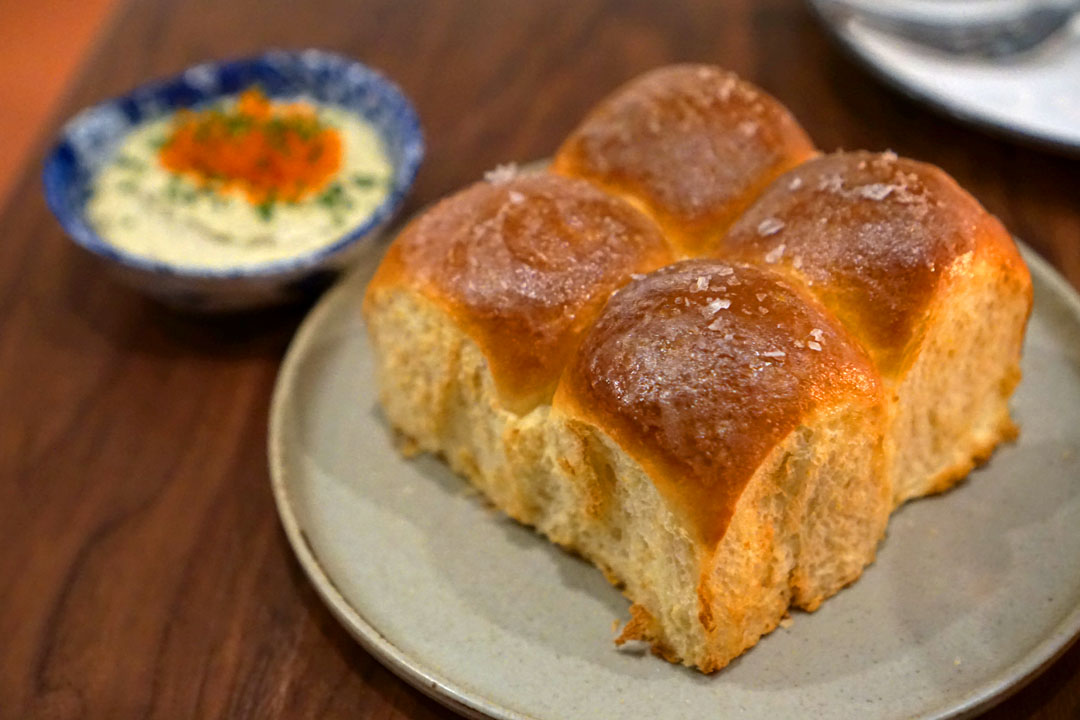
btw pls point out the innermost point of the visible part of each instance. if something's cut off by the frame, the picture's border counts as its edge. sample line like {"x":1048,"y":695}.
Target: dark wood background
{"x":143,"y":572}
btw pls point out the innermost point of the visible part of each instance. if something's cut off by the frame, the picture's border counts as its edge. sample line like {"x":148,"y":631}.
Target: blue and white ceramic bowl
{"x":87,"y":142}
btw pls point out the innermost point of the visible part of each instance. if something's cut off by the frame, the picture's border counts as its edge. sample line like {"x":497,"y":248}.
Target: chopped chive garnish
{"x":333,"y":197}
{"x":262,"y":147}
{"x":364,"y":181}
{"x":130,"y":163}
{"x":172,"y":189}
{"x":266,"y":208}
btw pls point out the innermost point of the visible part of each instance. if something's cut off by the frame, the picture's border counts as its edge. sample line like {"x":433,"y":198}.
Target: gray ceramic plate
{"x":1034,"y":95}
{"x":972,"y":592}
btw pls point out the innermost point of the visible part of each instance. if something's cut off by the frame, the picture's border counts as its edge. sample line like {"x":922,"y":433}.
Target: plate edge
{"x":431,"y":684}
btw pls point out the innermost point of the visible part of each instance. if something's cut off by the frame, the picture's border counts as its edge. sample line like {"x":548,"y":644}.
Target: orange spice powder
{"x":267,"y":151}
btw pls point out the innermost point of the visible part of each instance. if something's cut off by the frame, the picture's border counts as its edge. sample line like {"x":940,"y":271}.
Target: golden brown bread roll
{"x":477,"y":307}
{"x":927,"y":280}
{"x":692,"y":145}
{"x":700,"y":369}
{"x":723,"y":437}
{"x":758,"y":421}
{"x":532,"y":258}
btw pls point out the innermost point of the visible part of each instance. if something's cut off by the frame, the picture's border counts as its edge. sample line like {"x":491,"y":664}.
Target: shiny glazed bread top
{"x":701,"y":368}
{"x":876,"y":236}
{"x":693,"y":145}
{"x":524,"y":265}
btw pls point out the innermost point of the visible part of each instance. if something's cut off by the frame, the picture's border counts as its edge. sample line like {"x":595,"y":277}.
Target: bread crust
{"x":693,"y":145}
{"x":524,"y":265}
{"x":700,"y":369}
{"x":875,"y":237}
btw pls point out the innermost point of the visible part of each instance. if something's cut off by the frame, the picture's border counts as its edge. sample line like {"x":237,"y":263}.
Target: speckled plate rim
{"x":942,"y":102}
{"x":418,"y":673}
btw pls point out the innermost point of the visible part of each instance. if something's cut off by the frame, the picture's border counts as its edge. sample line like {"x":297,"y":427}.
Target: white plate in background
{"x":1034,"y":96}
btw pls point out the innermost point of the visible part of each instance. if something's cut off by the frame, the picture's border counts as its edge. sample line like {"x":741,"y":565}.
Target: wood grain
{"x":142,"y":569}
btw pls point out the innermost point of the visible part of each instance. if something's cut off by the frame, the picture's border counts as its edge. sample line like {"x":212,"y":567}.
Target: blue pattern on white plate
{"x":89,"y":139}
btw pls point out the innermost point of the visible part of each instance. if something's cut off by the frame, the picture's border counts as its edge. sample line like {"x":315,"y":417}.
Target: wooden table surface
{"x":143,"y":572}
